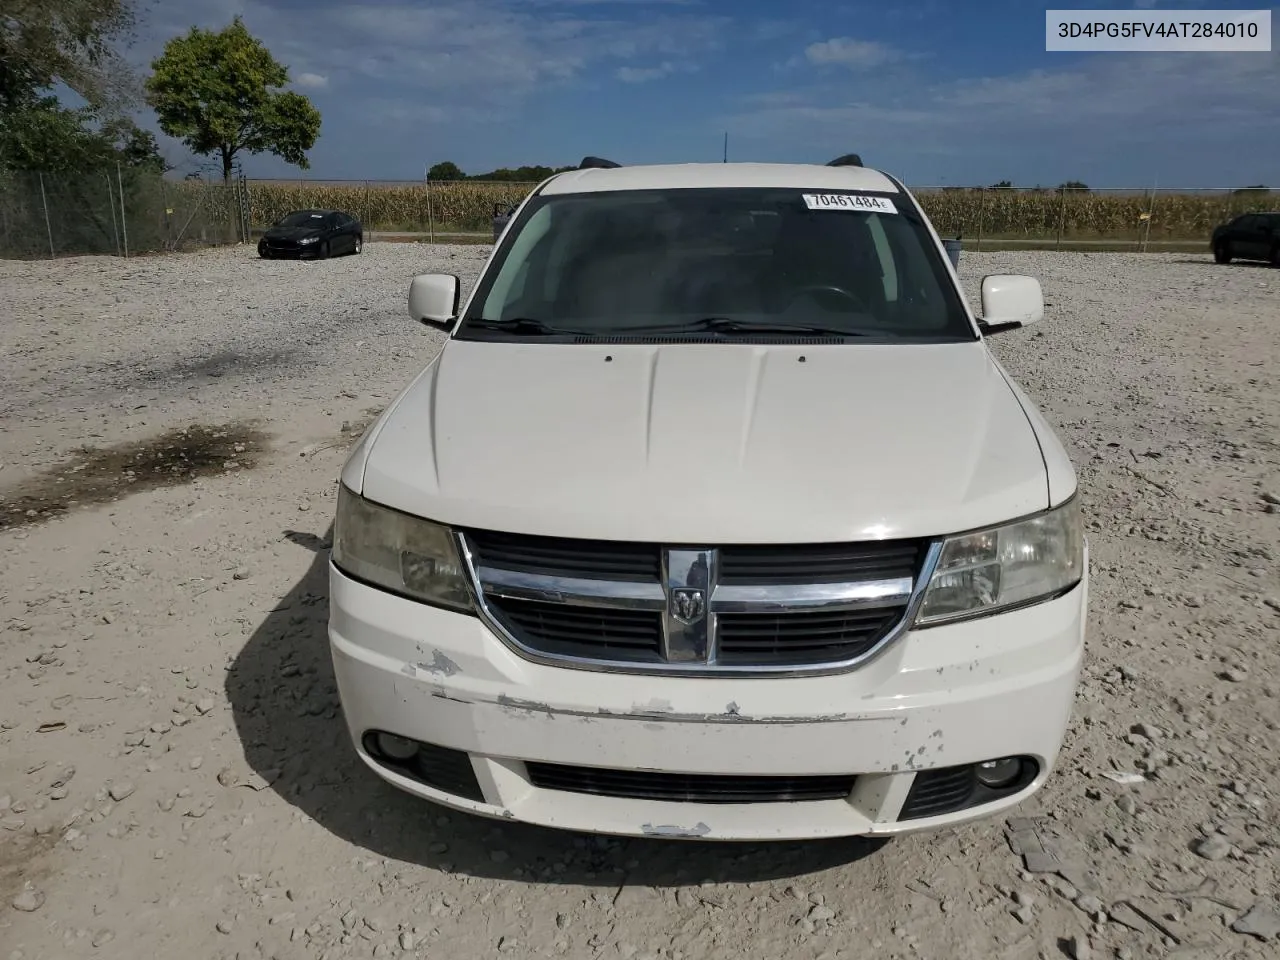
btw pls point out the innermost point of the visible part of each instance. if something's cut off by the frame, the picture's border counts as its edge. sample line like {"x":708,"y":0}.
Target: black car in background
{"x":313,"y":234}
{"x":1252,"y":236}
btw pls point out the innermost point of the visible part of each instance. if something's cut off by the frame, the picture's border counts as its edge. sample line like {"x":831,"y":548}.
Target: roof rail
{"x":590,"y":163}
{"x":848,"y":160}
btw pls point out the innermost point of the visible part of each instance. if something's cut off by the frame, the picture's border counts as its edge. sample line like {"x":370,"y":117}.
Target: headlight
{"x":308,"y":239}
{"x":1007,"y":566}
{"x":406,"y":555}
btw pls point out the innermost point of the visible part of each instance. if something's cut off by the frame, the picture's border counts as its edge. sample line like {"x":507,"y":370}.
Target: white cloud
{"x":601,"y":3}
{"x":312,"y":81}
{"x":851,"y":53}
{"x":1116,"y":109}
{"x":646,"y":74}
{"x":473,"y":58}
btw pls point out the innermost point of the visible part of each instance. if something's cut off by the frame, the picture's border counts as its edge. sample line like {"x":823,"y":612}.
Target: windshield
{"x":721,"y":262}
{"x":303,"y":218}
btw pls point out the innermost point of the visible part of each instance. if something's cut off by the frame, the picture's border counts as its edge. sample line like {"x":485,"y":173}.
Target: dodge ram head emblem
{"x":688,"y":605}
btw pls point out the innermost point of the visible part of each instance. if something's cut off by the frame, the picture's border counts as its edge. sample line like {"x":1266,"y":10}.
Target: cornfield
{"x":993,"y":213}
{"x":1085,"y":215}
{"x":133,"y":212}
{"x":388,"y":207}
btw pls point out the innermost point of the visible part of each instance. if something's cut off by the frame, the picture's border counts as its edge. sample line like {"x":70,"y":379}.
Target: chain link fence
{"x":1063,"y":217}
{"x":125,"y":212}
{"x":412,"y":208}
{"x":116,"y":212}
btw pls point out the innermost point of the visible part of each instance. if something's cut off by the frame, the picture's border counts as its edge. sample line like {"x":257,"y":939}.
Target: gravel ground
{"x":175,"y":779}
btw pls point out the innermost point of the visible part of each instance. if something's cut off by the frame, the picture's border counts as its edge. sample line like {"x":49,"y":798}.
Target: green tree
{"x":1002,"y":185}
{"x":45,"y":42}
{"x":1074,"y":186}
{"x":41,"y":134}
{"x":526,"y":174}
{"x":220,"y":94}
{"x":446,"y":170}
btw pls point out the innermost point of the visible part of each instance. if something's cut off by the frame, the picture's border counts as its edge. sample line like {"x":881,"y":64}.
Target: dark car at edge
{"x":1251,"y":236}
{"x":312,"y":235}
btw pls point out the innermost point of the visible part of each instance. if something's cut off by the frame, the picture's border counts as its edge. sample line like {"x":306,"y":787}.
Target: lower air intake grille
{"x":448,"y":771}
{"x":935,"y":792}
{"x":687,"y":787}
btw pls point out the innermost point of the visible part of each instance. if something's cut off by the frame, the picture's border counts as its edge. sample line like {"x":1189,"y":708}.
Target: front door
{"x":1249,"y":240}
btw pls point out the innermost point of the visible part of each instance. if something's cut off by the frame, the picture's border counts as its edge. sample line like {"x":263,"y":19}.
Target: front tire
{"x":323,"y":252}
{"x":1222,"y":252}
{"x":1275,"y":255}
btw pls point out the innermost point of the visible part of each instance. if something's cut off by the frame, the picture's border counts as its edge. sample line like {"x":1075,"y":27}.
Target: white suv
{"x":714,"y":517}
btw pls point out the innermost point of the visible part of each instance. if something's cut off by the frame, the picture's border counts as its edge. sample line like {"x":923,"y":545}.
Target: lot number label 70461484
{"x":849,"y":201}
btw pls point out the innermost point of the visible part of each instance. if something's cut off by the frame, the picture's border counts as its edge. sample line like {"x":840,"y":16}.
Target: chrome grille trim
{"x":581,"y":592}
{"x":726,"y":597}
{"x":693,"y":652}
{"x":792,"y":598}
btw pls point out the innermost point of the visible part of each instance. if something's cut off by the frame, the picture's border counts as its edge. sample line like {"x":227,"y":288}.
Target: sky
{"x":937,"y":92}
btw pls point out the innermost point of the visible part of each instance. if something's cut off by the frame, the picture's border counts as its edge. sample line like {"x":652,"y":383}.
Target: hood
{"x":292,"y":233}
{"x":707,"y":443}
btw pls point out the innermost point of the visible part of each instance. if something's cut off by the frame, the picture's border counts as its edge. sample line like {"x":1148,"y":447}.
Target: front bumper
{"x":952,"y":695}
{"x":292,"y":252}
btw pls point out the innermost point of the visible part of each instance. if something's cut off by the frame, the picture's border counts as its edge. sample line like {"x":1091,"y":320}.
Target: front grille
{"x":767,"y":608}
{"x":562,"y":557}
{"x":568,"y":631}
{"x":799,"y":639}
{"x":687,"y":787}
{"x":935,"y":792}
{"x":820,"y":563}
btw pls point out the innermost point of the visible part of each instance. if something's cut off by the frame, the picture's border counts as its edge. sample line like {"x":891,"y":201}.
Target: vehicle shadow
{"x":285,"y":705}
{"x":1208,"y":261}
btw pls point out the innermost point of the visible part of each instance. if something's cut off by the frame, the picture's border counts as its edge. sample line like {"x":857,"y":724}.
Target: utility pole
{"x":726,"y":146}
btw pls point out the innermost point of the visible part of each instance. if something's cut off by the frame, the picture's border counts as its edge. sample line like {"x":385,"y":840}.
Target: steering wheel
{"x":852,"y":297}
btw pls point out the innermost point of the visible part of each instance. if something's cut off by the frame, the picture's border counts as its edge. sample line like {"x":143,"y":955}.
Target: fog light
{"x":396,"y":748}
{"x":999,"y":773}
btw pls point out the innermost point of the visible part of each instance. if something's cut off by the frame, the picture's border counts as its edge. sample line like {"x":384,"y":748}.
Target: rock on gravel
{"x":1262,"y":921}
{"x":29,"y":900}
{"x":1213,"y":848}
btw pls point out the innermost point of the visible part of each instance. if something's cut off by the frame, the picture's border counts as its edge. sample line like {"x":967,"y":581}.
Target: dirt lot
{"x":175,"y":779}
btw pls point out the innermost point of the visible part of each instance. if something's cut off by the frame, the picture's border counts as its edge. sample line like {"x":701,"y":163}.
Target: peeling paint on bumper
{"x":964,"y":693}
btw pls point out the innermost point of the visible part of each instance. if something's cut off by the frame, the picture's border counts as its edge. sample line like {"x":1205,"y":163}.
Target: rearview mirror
{"x":433,"y":299}
{"x":1010,"y":301}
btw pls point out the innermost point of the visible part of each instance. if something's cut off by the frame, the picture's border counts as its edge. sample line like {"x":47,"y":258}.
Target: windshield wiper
{"x":730,"y":325}
{"x":525,"y":325}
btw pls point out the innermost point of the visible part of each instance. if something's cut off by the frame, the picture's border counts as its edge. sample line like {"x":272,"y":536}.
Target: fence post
{"x":982,"y":212}
{"x":124,"y":226}
{"x":1146,"y":233}
{"x":168,"y":216}
{"x":431,"y":217}
{"x":115,"y":220}
{"x":1062,"y":215}
{"x":44,"y":200}
{"x":366,"y":220}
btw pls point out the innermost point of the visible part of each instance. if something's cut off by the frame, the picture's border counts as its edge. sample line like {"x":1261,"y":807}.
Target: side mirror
{"x":433,"y":299}
{"x":1009,"y":302}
